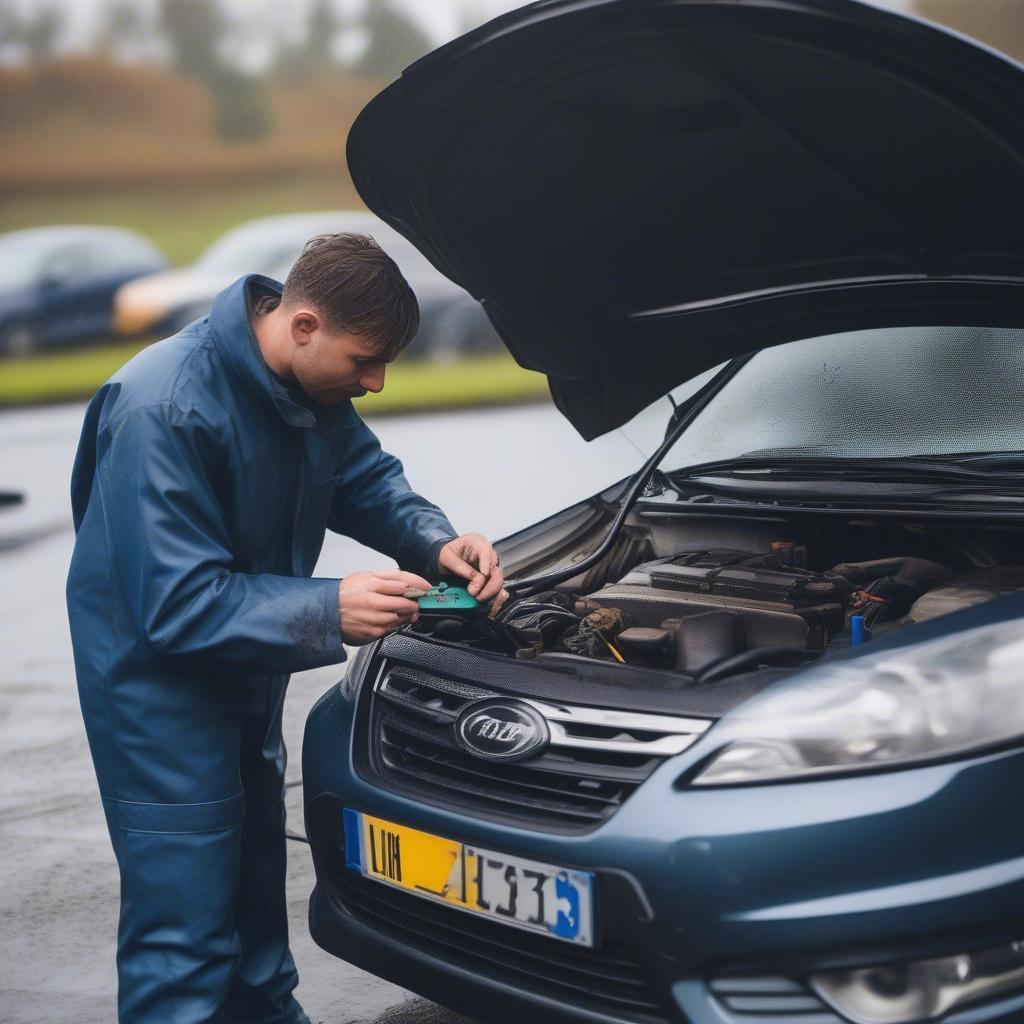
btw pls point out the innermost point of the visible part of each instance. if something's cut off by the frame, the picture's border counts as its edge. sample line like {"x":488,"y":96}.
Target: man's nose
{"x":373,"y":380}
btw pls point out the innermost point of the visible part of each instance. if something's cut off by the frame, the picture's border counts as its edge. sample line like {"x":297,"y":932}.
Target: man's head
{"x":345,"y":313}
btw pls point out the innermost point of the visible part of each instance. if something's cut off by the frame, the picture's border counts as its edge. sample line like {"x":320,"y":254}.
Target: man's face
{"x":332,"y":367}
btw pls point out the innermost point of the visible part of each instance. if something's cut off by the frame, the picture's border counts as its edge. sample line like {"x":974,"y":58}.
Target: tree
{"x":316,"y":51}
{"x":9,"y":24}
{"x":321,"y":32}
{"x":123,"y":32}
{"x":242,"y":109}
{"x":394,"y":40}
{"x":38,"y":32}
{"x":193,"y":29}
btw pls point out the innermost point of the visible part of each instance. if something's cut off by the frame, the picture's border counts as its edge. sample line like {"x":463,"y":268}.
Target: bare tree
{"x":316,"y":50}
{"x":394,"y":40}
{"x":193,"y":29}
{"x":124,"y":32}
{"x":9,"y":23}
{"x":322,"y":31}
{"x":38,"y":32}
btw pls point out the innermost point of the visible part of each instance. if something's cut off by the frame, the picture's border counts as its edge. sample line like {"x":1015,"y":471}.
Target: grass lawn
{"x":410,"y":385}
{"x":63,"y":375}
{"x":184,"y":220}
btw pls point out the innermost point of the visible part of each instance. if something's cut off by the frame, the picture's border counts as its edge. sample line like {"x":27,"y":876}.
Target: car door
{"x":71,"y":305}
{"x":82,"y":279}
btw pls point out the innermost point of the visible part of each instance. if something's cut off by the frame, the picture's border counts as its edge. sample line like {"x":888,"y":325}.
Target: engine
{"x":712,"y":613}
{"x":718,"y":613}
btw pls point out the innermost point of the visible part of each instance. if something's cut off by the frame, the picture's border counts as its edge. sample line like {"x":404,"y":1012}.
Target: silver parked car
{"x":452,"y":321}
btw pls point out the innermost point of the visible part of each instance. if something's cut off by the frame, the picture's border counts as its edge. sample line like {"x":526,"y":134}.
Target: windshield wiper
{"x":910,"y":469}
{"x":995,"y":460}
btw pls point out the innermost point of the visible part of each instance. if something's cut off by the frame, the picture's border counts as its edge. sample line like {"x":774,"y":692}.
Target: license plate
{"x":521,"y":893}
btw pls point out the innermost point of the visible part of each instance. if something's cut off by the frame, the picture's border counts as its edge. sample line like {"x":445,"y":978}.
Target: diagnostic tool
{"x":445,"y":598}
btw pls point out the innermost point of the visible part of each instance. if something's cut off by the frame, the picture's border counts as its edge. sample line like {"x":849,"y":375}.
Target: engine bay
{"x":764,"y":601}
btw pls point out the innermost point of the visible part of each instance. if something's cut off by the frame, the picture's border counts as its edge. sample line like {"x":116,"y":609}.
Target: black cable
{"x":536,"y":606}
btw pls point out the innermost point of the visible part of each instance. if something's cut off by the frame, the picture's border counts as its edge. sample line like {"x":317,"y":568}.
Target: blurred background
{"x":193,"y":127}
{"x":199,"y":130}
{"x":153,"y":151}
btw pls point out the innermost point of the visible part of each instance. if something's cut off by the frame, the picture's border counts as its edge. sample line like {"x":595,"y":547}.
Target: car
{"x":452,"y":323}
{"x":57,"y":283}
{"x":746,"y":744}
{"x":164,"y":303}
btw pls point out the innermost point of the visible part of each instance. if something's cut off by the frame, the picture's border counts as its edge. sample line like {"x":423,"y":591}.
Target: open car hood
{"x":639,"y":189}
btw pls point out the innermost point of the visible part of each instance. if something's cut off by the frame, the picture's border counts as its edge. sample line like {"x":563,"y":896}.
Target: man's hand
{"x":370,"y":604}
{"x":472,"y":557}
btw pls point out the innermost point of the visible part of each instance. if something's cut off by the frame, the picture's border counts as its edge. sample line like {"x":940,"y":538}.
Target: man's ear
{"x":305,"y":323}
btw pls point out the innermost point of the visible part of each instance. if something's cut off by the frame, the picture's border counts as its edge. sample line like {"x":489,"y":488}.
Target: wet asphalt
{"x":492,"y":471}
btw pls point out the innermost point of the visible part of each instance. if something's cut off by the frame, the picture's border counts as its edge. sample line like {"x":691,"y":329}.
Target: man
{"x":208,"y":470}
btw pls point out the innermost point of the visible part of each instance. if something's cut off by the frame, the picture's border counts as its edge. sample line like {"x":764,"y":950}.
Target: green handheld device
{"x":444,"y":598}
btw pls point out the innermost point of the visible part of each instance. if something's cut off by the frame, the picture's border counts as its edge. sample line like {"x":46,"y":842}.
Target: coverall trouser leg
{"x":262,"y":986}
{"x":203,"y":935}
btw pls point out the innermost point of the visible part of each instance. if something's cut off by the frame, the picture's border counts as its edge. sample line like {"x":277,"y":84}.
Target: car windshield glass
{"x":879,"y":394}
{"x":22,"y":261}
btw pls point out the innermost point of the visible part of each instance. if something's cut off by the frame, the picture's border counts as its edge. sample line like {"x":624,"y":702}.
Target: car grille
{"x":595,"y":760}
{"x":603,"y":978}
{"x":749,"y":999}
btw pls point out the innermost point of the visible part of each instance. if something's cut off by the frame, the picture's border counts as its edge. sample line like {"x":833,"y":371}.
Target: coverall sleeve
{"x":172,"y":556}
{"x":374,"y":504}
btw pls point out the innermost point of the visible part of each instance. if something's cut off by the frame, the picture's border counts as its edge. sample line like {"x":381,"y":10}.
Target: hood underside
{"x":639,"y":189}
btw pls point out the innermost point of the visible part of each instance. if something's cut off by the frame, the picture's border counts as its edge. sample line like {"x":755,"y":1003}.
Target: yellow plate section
{"x":416,"y":860}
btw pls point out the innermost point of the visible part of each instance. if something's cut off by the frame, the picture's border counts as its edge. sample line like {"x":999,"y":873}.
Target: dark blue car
{"x":747,"y":744}
{"x":57,"y":284}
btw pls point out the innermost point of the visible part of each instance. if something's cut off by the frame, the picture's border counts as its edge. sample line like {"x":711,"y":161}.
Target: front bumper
{"x":712,"y":905}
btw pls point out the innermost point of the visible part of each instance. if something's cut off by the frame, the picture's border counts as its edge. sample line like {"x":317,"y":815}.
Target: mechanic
{"x":207,"y":472}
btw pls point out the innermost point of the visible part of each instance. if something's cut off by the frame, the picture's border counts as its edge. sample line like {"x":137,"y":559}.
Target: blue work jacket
{"x":201,"y":492}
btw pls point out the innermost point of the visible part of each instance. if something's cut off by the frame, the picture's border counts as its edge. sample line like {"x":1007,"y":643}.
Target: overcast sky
{"x":264,"y":21}
{"x":440,"y":19}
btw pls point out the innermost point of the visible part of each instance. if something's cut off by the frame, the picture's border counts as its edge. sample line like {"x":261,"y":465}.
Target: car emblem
{"x":502,"y":730}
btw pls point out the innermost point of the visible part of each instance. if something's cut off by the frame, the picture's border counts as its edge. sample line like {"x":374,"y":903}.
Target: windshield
{"x":867,"y":394}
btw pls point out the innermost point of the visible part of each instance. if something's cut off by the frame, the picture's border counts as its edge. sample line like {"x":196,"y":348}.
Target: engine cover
{"x":780,"y":605}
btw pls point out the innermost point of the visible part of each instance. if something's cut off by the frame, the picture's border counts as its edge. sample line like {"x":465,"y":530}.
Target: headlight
{"x":923,"y":990}
{"x":941,"y":697}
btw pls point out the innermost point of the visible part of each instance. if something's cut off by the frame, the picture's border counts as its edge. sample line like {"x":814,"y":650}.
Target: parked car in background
{"x":452,"y":321}
{"x":164,"y":303}
{"x":57,"y":283}
{"x":745,"y":744}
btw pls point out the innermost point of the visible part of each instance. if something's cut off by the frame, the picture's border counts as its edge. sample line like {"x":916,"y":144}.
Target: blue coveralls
{"x":201,"y":492}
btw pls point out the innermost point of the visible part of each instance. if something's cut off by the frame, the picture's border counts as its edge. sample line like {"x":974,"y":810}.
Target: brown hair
{"x":357,"y":288}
